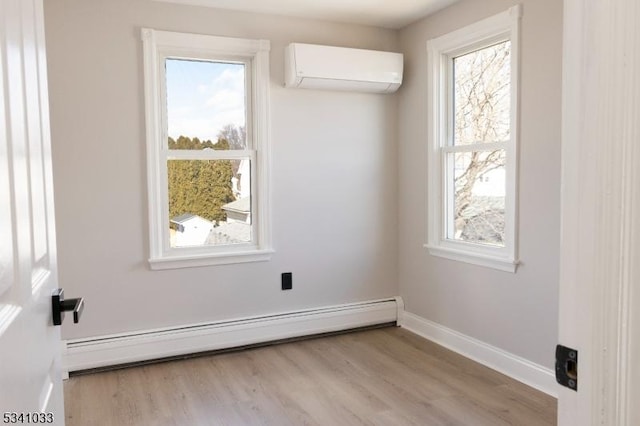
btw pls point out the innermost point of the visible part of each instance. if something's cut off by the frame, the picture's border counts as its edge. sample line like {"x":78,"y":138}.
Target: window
{"x":207,"y":149}
{"x":473,"y":143}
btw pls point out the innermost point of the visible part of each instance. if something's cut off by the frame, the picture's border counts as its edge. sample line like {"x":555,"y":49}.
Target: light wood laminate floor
{"x":385,"y":376}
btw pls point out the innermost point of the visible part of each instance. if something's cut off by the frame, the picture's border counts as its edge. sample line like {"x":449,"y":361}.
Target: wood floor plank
{"x":377,"y":377}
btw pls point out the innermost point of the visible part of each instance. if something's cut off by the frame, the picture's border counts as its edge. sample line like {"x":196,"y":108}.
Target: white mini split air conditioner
{"x":311,"y":66}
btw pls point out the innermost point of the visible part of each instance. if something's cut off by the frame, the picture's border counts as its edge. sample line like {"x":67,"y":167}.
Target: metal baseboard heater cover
{"x":123,"y":348}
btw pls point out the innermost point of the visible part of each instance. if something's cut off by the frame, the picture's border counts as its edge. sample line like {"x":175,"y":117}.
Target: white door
{"x":30,"y":375}
{"x":600,"y":255}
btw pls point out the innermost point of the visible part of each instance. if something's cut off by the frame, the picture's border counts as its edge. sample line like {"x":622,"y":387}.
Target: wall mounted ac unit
{"x":311,"y":66}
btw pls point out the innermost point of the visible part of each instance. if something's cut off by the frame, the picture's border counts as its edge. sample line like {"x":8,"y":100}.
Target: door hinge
{"x":567,"y":367}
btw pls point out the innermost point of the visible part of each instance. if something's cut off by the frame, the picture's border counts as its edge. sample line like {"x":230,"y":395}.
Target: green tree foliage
{"x":199,"y":187}
{"x":184,"y":142}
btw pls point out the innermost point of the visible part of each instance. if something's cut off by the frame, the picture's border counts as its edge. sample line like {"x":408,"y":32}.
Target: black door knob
{"x":59,"y":305}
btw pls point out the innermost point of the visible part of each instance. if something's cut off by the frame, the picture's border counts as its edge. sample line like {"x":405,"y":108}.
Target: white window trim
{"x":500,"y":27}
{"x":157,"y":45}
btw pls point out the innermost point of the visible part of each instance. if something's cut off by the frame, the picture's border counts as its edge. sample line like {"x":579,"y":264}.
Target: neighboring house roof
{"x":187,"y":217}
{"x":229,"y":233}
{"x":183,"y":218}
{"x":243,"y":205}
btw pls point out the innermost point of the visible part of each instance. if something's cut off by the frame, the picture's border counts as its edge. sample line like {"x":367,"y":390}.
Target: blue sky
{"x":202,"y":97}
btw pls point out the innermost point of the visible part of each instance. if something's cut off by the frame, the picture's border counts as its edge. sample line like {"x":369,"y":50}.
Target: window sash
{"x":449,"y":195}
{"x":477,"y":147}
{"x":248,"y":91}
{"x":207,"y":154}
{"x":210,"y":154}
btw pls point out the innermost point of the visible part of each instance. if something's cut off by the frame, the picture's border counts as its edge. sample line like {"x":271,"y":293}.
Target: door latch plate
{"x":567,"y":367}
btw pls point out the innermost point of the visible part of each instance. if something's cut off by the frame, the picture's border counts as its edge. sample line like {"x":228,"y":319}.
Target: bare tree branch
{"x":482,"y":103}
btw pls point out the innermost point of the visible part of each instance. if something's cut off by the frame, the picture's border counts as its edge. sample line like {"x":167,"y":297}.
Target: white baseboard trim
{"x":516,"y":367}
{"x":103,"y":351}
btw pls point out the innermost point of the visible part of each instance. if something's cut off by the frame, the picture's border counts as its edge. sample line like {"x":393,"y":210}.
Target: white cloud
{"x":227,"y":93}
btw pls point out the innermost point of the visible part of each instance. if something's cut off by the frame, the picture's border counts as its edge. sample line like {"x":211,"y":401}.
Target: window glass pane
{"x":478,"y":181}
{"x":205,"y":104}
{"x":209,"y":202}
{"x":482,"y":95}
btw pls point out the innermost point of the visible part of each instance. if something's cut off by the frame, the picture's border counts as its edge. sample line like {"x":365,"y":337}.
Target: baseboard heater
{"x":134,"y":347}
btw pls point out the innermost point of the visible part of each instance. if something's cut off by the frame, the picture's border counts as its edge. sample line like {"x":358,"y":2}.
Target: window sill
{"x":194,"y":261}
{"x":488,"y":261}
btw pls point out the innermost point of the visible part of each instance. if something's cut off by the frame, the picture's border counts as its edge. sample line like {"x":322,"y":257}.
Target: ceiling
{"x":380,"y":13}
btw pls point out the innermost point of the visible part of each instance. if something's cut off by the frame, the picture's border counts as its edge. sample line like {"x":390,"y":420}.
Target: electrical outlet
{"x":287,"y":280}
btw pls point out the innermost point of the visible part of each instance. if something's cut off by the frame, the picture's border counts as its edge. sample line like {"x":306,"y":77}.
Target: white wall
{"x":517,"y":313}
{"x":334,"y":175}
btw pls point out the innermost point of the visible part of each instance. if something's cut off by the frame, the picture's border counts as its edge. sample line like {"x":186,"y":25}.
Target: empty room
{"x":280,"y":212}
